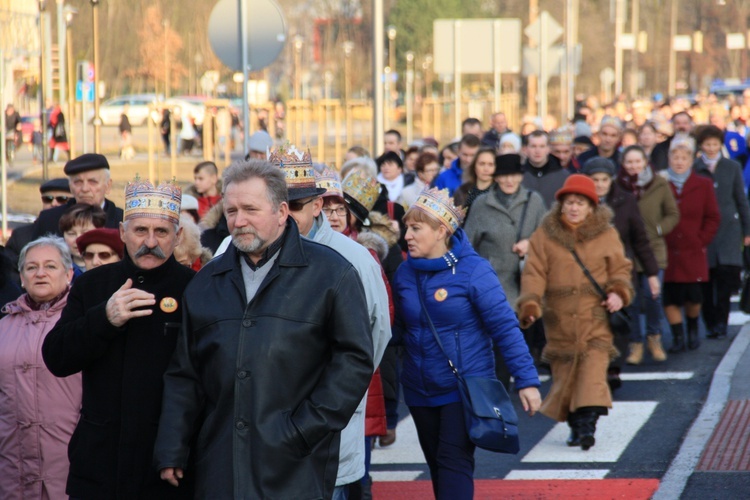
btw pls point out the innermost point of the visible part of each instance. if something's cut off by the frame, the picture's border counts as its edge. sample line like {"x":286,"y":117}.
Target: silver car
{"x":111,"y":109}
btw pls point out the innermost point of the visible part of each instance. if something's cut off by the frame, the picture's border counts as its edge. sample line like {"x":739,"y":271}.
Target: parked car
{"x":188,"y":105}
{"x":111,"y":109}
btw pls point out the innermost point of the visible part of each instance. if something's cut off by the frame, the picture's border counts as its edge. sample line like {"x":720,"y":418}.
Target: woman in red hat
{"x":554,"y":287}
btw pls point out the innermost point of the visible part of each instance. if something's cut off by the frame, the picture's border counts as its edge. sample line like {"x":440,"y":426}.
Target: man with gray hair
{"x":275,"y":354}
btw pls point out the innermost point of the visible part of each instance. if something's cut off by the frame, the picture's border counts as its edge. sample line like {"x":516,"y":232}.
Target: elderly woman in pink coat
{"x":38,"y":411}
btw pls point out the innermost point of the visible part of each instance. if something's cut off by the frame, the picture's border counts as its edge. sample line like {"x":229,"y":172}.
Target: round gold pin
{"x":168,"y":305}
{"x":441,"y":294}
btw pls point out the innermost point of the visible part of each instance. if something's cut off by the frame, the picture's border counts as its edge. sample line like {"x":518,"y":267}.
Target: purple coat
{"x":38,"y":411}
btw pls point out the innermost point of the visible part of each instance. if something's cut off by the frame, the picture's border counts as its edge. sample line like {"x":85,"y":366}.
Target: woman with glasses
{"x":100,"y":246}
{"x":76,"y":221}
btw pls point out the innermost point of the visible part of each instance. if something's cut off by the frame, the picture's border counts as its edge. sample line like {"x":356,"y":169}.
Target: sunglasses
{"x":296,"y":206}
{"x":101,"y":255}
{"x":46,"y":198}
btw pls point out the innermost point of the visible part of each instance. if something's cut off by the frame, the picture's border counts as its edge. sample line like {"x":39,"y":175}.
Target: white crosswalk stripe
{"x":548,"y":474}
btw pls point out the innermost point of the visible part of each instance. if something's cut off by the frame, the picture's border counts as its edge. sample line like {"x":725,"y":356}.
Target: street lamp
{"x":409,"y":96}
{"x":348,"y":48}
{"x":70,"y":13}
{"x":298,"y":40}
{"x":97,"y":119}
{"x":42,"y":106}
{"x":390,"y":71}
{"x":427,"y":67}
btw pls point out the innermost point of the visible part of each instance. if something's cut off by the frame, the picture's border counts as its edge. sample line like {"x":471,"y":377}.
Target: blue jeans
{"x":644,"y":303}
{"x":447,"y":449}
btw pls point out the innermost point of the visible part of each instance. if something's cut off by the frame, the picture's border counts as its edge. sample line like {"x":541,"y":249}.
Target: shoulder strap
{"x":391,"y":210}
{"x":523,"y":216}
{"x":588,"y":275}
{"x":432,"y":327}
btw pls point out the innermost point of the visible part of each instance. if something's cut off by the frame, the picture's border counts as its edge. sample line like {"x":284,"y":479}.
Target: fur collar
{"x":596,"y":223}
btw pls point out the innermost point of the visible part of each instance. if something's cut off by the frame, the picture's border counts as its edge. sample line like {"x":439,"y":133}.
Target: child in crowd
{"x":207,"y":187}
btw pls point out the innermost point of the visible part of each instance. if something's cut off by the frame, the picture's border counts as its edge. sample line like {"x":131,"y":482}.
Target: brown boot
{"x":655,"y":347}
{"x":636,"y":353}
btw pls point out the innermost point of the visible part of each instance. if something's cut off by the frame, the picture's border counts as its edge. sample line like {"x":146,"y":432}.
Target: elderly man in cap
{"x":89,"y":181}
{"x":119,"y":329}
{"x":55,"y":192}
{"x":305,"y":207}
{"x":609,"y":134}
{"x":275,"y":352}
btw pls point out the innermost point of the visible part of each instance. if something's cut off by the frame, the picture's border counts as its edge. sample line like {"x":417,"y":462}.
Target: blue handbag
{"x":491,"y":421}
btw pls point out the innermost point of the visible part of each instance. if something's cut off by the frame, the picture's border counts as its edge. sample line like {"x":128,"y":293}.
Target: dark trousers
{"x":447,"y":449}
{"x":717,"y":293}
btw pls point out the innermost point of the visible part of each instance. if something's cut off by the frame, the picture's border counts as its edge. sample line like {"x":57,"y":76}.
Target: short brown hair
{"x":80,"y":214}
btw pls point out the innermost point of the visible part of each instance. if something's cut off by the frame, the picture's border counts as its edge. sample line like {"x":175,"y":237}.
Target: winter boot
{"x":573,"y":439}
{"x":678,"y":338}
{"x":718,"y":332}
{"x":636,"y":353}
{"x":692,"y":334}
{"x":655,"y":347}
{"x":587,"y":427}
{"x":613,"y":378}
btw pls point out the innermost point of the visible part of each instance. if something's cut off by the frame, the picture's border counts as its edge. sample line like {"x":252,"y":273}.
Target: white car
{"x":188,"y":105}
{"x":138,"y":112}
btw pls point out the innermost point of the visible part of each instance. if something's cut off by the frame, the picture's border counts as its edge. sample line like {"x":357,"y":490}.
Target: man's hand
{"x":121,"y":304}
{"x":172,"y":475}
{"x":530,"y":399}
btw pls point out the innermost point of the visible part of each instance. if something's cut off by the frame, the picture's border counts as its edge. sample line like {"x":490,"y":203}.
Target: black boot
{"x":718,"y":332}
{"x":692,"y":334}
{"x":678,"y":338}
{"x":573,"y":439}
{"x":587,"y":428}
{"x":613,"y":378}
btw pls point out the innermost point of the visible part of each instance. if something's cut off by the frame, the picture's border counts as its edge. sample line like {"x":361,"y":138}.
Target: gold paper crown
{"x":296,"y":165}
{"x":142,"y":199}
{"x":363,"y":188}
{"x":611,"y":121}
{"x":439,"y":204}
{"x":329,"y":180}
{"x":562,"y":135}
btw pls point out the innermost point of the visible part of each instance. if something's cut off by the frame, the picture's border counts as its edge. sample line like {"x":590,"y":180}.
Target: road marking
{"x":738,"y":318}
{"x":405,"y":450}
{"x":642,"y":376}
{"x":395,"y":475}
{"x":616,"y":431}
{"x":548,"y":474}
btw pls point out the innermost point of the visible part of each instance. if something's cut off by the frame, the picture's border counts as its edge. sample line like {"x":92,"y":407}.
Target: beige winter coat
{"x":553,"y":286}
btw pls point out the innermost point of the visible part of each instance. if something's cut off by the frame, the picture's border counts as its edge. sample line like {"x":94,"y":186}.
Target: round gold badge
{"x":441,"y":294}
{"x":168,"y":305}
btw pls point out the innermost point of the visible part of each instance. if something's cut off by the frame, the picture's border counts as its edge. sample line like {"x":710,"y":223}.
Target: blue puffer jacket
{"x":470,"y":312}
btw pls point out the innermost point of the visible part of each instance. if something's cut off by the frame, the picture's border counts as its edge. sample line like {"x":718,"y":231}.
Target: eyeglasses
{"x":296,"y":206}
{"x":101,"y":255}
{"x":46,"y":198}
{"x":340,"y":211}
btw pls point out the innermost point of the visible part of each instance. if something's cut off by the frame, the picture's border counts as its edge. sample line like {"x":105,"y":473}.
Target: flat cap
{"x":59,"y":184}
{"x":86,"y":162}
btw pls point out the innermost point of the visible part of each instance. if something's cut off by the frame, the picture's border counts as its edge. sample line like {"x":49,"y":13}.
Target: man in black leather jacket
{"x":274,"y":355}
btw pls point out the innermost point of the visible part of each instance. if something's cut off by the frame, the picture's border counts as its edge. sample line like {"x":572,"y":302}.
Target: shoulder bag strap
{"x":588,"y":275}
{"x":523,"y":217}
{"x":432,"y":327}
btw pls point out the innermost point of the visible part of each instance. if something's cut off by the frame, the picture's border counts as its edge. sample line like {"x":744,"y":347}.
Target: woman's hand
{"x":613,"y":303}
{"x":654,"y":285}
{"x":521,"y":248}
{"x":530,"y":399}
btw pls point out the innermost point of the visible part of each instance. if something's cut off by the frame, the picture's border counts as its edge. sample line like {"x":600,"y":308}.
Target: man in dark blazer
{"x":90,"y":183}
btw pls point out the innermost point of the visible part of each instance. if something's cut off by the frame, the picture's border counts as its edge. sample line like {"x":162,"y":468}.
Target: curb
{"x":674,"y":481}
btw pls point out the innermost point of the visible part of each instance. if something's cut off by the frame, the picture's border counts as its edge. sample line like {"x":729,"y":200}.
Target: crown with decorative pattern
{"x":439,"y":204}
{"x":612,"y":121}
{"x":562,"y":135}
{"x":142,"y":199}
{"x":329,"y":180}
{"x":361,"y":191}
{"x":298,"y":171}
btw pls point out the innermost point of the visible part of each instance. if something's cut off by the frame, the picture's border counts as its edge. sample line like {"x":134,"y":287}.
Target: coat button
{"x":141,"y":279}
{"x":247,"y":323}
{"x":240,"y":425}
{"x":241,"y":374}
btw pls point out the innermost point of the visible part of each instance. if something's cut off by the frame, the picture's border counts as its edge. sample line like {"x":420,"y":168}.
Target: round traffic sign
{"x":265,"y":38}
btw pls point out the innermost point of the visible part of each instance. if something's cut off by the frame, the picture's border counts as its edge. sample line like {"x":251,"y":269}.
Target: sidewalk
{"x":714,"y":460}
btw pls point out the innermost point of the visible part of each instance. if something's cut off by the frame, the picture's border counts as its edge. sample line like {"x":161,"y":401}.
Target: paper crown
{"x":563,"y":135}
{"x":329,"y":180}
{"x":610,"y":120}
{"x":296,"y":165}
{"x":142,"y":199}
{"x":361,"y":188}
{"x":439,"y":204}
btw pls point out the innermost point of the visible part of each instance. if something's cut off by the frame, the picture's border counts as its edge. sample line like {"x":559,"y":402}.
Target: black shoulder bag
{"x":619,"y":321}
{"x":491,"y":420}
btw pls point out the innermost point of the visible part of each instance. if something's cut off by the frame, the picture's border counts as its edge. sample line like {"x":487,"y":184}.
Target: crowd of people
{"x":254,"y":334}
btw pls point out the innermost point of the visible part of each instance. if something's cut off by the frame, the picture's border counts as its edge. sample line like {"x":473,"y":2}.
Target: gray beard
{"x":251,"y":247}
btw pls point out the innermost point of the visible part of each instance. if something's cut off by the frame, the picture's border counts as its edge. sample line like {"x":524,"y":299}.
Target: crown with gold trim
{"x":612,"y":121}
{"x":142,"y":199}
{"x":439,"y":204}
{"x":562,"y":135}
{"x":329,"y":180}
{"x":298,"y":171}
{"x":361,"y":191}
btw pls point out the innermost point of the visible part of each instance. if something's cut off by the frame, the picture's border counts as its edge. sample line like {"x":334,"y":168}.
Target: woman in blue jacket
{"x":467,"y":305}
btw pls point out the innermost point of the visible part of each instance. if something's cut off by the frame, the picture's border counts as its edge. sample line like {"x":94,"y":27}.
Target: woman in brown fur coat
{"x":554,"y":287}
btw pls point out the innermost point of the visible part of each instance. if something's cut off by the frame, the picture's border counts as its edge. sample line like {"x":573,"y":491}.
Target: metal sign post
{"x":3,"y":161}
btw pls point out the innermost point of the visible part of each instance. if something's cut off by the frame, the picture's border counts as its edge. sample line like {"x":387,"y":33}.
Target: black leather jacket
{"x":263,"y":388}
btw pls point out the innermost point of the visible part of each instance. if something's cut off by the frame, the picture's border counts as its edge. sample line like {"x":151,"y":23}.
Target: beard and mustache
{"x":252,"y":247}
